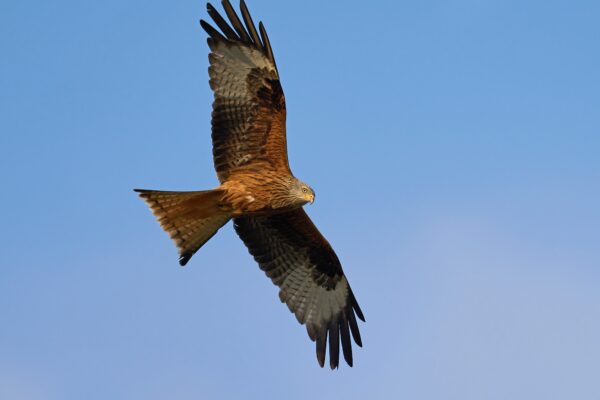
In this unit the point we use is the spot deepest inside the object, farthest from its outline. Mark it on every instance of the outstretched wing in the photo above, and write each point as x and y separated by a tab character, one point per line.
248	118
298	259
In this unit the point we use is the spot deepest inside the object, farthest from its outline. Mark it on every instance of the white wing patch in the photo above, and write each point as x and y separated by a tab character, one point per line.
232	63
312	303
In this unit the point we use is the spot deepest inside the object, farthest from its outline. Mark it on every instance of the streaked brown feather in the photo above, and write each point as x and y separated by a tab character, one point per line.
190	218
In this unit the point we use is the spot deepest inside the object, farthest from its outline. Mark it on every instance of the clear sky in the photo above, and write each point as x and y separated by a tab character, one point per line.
454	149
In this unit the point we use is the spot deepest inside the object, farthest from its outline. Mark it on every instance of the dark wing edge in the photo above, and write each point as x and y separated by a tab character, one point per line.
246	35
298	259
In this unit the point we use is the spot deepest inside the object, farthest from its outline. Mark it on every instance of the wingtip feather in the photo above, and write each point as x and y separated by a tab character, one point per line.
334	345
250	26
354	329
235	21
356	307
346	344
183	260
321	347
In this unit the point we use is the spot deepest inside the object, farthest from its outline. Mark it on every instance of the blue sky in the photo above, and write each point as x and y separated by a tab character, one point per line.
453	147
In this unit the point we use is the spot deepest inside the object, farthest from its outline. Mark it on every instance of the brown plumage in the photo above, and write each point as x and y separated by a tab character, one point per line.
258	190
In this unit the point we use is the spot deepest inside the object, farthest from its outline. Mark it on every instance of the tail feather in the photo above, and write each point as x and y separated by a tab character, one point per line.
190	218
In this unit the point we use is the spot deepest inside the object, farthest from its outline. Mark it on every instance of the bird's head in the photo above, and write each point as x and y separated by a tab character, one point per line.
302	192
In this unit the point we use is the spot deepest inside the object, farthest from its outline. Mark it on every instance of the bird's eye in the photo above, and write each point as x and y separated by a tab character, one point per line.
304	190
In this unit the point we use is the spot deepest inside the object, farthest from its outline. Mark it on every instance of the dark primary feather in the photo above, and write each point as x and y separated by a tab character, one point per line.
248	119
235	21
267	43
211	31
292	252
250	24
221	23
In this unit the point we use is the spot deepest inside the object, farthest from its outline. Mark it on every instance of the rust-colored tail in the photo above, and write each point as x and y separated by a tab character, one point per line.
190	218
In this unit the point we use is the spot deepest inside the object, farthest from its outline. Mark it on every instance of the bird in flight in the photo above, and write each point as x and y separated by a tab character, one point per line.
258	190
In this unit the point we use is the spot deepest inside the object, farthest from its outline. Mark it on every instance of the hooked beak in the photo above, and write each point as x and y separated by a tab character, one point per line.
312	199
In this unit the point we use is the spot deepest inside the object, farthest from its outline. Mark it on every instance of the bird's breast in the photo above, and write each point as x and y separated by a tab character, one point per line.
257	194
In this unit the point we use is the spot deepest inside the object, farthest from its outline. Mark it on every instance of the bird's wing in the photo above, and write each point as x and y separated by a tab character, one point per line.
298	259
248	118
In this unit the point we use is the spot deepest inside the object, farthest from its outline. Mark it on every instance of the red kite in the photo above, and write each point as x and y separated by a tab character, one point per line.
258	190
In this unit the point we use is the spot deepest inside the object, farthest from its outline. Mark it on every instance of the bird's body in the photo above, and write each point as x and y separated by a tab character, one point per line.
258	190
252	194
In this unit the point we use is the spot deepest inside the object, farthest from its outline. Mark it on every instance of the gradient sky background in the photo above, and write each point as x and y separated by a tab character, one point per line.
454	149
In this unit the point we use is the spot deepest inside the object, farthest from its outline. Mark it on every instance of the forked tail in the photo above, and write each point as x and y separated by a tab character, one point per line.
190	218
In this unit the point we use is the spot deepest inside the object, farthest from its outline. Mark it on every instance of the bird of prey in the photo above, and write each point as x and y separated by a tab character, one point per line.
258	190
